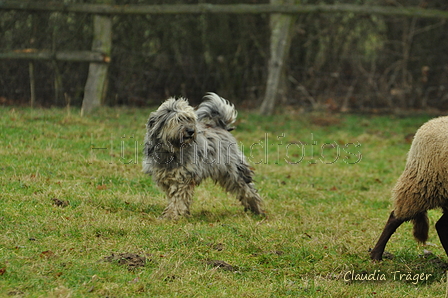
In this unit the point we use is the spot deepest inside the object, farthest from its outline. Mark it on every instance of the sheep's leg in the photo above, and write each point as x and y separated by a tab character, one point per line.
391	226
442	230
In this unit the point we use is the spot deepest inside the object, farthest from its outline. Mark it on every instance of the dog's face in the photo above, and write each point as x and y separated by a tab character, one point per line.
173	123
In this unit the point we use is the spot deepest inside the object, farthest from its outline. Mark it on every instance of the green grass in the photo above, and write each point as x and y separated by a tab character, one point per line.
323	212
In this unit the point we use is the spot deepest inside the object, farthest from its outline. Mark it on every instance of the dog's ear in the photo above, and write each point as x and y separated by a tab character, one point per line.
148	148
182	100
151	121
149	144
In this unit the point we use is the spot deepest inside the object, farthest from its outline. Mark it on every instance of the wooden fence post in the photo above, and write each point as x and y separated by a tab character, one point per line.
95	87
32	84
281	32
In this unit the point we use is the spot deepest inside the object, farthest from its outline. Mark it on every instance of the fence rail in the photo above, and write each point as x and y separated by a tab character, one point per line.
72	56
220	9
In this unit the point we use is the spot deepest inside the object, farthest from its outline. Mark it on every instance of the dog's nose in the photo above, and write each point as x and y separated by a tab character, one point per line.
190	131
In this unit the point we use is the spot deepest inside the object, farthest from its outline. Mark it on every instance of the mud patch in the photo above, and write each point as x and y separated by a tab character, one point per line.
216	246
222	265
435	261
15	293
59	203
129	260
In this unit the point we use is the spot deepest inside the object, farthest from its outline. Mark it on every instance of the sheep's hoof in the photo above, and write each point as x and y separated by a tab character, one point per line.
375	256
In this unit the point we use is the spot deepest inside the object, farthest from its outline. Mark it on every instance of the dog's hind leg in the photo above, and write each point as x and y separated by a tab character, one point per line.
250	199
179	200
239	182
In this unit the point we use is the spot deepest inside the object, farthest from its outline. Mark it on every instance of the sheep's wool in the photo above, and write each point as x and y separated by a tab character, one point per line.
423	184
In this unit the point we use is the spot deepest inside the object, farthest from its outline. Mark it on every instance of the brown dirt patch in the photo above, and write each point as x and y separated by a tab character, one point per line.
130	260
222	265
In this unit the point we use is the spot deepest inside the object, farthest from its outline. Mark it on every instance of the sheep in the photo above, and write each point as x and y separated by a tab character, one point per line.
422	186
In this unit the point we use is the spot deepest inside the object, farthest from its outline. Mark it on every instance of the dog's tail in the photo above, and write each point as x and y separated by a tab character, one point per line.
217	111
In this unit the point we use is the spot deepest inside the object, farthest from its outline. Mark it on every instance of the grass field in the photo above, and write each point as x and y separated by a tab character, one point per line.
78	218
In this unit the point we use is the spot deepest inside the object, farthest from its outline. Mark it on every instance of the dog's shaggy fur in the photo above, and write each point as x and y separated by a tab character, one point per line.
183	146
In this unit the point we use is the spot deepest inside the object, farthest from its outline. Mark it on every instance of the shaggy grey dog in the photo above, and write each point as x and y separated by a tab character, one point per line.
183	146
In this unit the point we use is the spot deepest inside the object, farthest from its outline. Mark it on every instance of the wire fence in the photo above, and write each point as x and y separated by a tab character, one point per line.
337	61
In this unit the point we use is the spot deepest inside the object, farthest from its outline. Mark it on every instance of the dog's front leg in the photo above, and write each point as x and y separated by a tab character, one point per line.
179	197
